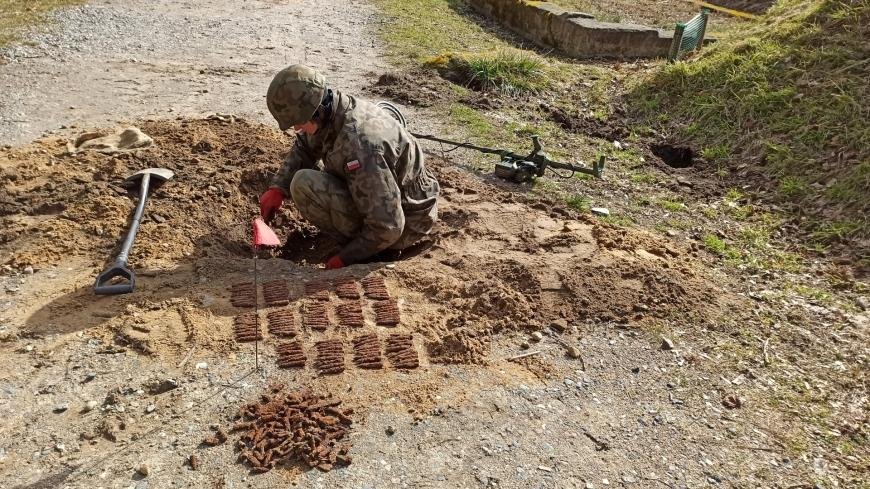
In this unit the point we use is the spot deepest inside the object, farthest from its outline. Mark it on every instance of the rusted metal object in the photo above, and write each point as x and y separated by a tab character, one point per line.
347	288
290	354
243	295
386	313
247	327
375	287
315	317
350	314
317	290
401	352
330	357
286	428
367	352
276	293
282	323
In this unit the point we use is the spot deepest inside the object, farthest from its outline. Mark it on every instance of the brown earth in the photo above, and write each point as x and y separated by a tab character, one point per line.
504	264
501	261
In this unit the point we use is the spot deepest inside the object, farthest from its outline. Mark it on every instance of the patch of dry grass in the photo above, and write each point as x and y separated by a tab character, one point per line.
17	15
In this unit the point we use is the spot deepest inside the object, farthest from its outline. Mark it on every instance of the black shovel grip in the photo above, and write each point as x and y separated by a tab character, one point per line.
102	286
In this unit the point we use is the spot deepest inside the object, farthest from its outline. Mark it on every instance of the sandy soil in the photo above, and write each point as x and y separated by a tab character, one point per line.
504	266
84	380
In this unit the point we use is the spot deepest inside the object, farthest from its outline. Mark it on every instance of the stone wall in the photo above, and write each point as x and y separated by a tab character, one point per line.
575	34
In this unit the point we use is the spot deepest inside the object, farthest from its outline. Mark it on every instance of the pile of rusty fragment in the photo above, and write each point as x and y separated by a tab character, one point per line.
285	428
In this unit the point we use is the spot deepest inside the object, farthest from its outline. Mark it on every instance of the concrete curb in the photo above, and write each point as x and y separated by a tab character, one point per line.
576	34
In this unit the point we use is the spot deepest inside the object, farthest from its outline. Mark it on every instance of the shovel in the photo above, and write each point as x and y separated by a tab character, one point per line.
118	279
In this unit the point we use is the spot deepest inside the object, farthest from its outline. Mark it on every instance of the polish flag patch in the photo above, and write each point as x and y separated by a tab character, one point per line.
353	165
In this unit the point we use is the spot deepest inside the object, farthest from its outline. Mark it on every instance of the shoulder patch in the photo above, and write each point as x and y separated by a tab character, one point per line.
353	165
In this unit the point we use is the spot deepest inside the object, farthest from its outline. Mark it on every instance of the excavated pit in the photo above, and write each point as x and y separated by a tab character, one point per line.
674	156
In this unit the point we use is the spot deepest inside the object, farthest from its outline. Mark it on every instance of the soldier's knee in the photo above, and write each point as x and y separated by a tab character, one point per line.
302	184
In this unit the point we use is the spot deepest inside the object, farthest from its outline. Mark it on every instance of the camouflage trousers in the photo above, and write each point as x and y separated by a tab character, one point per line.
325	201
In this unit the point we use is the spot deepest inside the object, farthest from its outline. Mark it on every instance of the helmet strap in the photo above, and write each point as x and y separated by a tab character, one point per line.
324	111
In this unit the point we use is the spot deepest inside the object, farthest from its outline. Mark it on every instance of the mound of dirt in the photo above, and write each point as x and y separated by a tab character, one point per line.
414	88
56	206
502	262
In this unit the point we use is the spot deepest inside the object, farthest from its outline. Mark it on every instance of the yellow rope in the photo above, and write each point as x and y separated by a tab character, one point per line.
729	11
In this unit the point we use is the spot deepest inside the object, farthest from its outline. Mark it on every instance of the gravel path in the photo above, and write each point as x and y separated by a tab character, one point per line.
116	60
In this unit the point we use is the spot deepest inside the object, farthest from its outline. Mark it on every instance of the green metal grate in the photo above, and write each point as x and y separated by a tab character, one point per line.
688	36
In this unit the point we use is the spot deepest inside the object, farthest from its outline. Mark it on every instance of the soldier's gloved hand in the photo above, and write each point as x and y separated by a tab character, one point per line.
334	262
270	202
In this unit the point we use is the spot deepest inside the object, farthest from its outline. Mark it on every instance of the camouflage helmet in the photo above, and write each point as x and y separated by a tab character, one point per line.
294	95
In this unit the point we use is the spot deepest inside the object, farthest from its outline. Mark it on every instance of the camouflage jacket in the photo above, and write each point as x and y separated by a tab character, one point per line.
382	164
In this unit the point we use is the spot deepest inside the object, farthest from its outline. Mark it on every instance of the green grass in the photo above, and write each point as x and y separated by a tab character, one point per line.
672	205
791	93
475	123
793	187
16	15
579	203
510	71
718	246
421	29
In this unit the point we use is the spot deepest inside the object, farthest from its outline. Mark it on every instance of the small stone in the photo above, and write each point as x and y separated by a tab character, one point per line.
628	479
559	325
90	406
537	336
201	366
390	266
617	145
390	431
635	370
61	407
672	233
573	352
150	408
159	387
28	348
28	270
667	344
600	211
158	218
732	401
863	302
60	447
143	470
525	345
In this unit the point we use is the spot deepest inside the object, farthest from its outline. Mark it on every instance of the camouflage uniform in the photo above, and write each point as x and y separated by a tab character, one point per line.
361	179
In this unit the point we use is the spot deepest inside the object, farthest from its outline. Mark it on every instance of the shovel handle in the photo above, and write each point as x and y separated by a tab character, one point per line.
102	286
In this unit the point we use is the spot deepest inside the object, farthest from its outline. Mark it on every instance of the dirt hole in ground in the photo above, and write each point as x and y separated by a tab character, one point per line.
674	156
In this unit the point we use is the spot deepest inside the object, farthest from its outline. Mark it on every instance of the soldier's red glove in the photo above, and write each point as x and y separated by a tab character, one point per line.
270	202
334	262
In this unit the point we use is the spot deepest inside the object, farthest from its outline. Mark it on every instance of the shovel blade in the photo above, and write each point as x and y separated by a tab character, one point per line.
263	234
